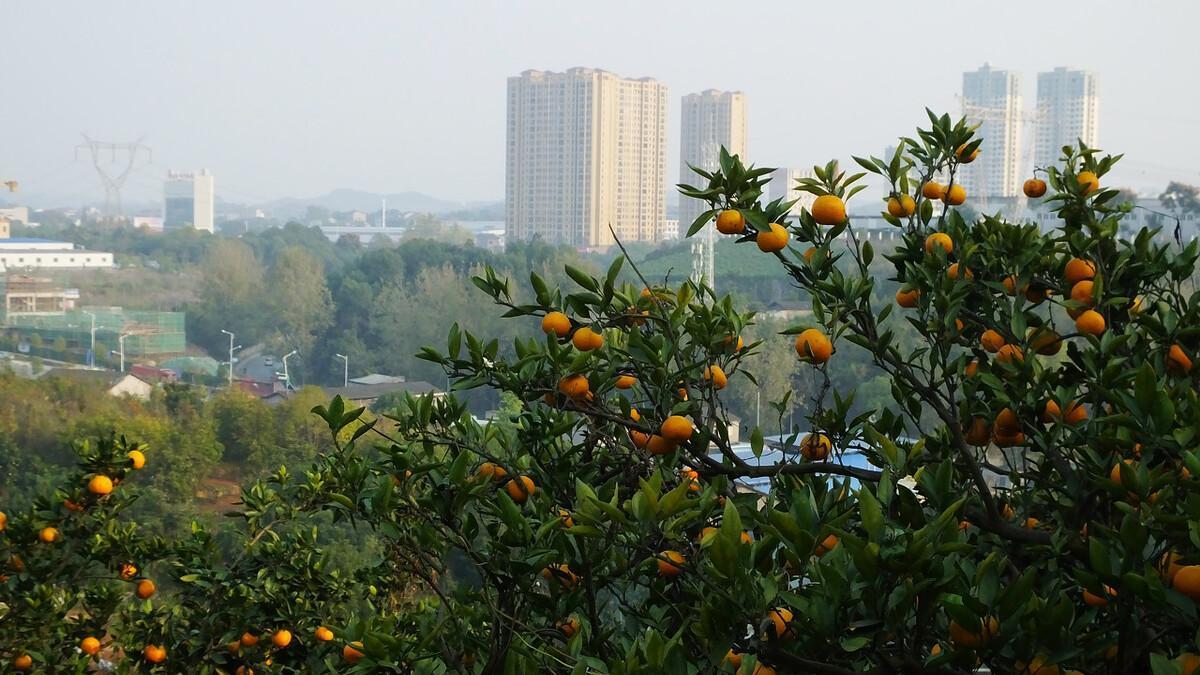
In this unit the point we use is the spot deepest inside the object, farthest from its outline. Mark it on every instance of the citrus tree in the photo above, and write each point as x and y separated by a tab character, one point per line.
1025	505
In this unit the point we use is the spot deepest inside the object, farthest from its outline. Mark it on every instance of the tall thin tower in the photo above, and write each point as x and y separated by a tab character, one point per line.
113	181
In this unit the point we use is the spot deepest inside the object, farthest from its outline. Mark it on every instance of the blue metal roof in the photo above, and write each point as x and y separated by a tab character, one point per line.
31	240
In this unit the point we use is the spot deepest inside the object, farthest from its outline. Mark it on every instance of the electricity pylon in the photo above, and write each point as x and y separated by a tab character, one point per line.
113	182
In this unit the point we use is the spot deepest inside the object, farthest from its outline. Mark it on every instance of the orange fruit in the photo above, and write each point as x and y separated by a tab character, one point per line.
971	368
1189	662
965	157
829	210
1090	323
935	650
978	433
323	634
1010	354
1032	523
815	447
3	521
100	485
23	662
670	564
1081	292
1045	341
657	445
953	272
626	381
1007	422
562	573
939	239
1092	600
1075	414
351	654
640	439
733	658
154	654
1078	269
716	376
895	207
991	340
565	517
89	645
574	386
907	298
585	339
491	471
772	239
556	323
956	195
145	589
136	458
1178	361
781	618
676	429
570	626
813	345
281	638
520	488
249	639
972	639
932	190
730	221
1088	181
48	535
1187	581
1010	284
1034	188
828	544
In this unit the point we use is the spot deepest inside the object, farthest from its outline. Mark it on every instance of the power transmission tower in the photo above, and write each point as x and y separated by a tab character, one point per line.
113	181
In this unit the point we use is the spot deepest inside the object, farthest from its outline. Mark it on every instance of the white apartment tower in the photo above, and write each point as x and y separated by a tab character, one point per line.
1068	108
188	200
992	99
783	186
710	120
586	149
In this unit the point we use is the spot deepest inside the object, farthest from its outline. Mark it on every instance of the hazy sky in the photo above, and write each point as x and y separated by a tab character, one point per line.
297	98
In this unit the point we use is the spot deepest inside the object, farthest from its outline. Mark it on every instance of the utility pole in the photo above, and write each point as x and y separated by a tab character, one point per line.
121	346
345	369
230	356
113	182
287	379
92	350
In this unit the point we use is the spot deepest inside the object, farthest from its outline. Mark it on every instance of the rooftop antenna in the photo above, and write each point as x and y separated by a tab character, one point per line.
113	181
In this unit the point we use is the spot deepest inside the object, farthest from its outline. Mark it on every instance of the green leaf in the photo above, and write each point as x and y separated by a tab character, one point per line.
872	515
756	441
1145	388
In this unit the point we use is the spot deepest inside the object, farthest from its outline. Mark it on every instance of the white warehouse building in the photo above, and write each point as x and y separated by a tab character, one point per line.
27	253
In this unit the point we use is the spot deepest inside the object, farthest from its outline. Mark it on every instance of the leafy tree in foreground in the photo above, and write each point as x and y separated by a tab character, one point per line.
1027	504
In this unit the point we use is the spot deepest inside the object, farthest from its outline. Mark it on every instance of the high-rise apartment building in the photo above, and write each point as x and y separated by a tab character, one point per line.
1068	109
586	150
710	120
992	99
783	186
188	200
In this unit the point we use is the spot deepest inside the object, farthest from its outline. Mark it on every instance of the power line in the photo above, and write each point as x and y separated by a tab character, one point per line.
113	182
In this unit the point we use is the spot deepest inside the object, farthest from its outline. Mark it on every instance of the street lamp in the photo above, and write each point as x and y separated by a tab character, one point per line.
287	380
121	346
231	348
345	369
92	350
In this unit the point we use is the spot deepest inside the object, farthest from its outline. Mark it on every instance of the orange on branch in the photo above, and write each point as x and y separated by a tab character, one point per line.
829	210
557	323
731	221
939	240
520	488
772	239
814	345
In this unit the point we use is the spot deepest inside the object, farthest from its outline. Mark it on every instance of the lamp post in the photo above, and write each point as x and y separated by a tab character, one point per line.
345	369
230	356
121	349
287	380
92	349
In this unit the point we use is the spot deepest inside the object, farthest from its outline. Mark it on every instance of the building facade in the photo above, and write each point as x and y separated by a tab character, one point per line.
188	200
30	253
783	186
1068	111
992	99
586	149
709	121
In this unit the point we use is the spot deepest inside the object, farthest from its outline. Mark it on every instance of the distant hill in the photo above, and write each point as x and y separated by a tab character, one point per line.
359	200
